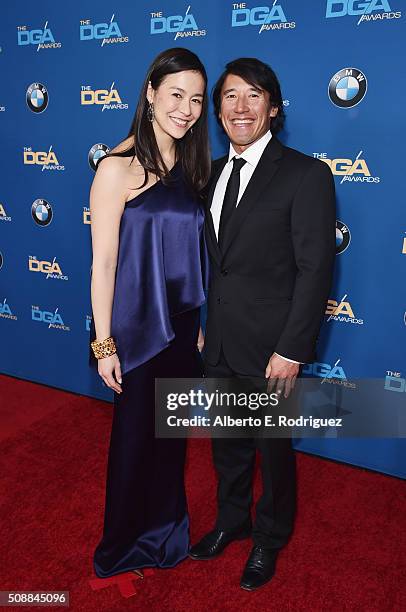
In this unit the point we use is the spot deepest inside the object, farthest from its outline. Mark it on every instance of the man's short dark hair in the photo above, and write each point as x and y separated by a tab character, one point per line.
259	75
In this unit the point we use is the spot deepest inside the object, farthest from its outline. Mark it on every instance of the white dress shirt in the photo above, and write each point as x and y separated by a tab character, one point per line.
252	155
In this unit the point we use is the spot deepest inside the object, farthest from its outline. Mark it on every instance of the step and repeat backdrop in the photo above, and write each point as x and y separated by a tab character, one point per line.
71	77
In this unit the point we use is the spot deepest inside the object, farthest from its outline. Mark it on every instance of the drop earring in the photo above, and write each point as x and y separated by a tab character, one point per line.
151	112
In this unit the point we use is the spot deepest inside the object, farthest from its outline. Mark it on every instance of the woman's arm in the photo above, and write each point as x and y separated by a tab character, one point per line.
107	200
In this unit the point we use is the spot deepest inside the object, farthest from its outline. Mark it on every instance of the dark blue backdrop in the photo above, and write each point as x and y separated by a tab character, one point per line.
52	52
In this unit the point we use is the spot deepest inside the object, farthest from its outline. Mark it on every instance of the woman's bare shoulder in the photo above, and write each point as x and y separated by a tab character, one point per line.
122	173
110	167
127	163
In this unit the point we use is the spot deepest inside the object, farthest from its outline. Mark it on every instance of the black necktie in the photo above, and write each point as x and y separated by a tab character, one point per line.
230	198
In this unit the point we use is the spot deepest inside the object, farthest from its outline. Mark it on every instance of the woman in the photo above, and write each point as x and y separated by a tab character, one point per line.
147	288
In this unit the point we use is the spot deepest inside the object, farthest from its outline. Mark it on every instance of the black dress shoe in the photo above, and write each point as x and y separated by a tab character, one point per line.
259	568
213	543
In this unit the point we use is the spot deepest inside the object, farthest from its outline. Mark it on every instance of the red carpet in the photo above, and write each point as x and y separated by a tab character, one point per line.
347	552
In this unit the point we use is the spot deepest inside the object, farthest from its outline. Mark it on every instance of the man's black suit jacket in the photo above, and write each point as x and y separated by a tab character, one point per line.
269	288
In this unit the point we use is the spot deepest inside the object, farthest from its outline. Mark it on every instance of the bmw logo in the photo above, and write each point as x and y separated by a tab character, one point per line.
1	260
96	152
41	212
347	87
37	97
343	237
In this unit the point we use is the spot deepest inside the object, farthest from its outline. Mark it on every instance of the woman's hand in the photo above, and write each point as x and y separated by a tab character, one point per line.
200	340
106	367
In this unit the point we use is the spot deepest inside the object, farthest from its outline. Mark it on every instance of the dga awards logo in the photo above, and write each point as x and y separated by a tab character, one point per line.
341	312
96	152
332	374
394	381
106	33
3	215
365	10
343	237
107	99
37	97
6	312
1	260
347	87
403	247
47	160
351	170
51	269
51	319
86	215
183	26
42	38
41	212
268	18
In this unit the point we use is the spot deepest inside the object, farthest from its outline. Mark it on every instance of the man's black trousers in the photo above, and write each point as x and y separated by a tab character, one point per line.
234	460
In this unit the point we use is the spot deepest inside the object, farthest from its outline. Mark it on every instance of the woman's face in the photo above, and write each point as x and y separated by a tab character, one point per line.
177	102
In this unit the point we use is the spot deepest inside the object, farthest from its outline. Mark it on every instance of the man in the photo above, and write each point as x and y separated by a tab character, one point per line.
271	239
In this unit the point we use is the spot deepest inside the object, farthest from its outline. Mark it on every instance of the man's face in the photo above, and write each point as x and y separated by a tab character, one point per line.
245	112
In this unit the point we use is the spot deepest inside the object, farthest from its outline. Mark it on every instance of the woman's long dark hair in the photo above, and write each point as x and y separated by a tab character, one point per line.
192	151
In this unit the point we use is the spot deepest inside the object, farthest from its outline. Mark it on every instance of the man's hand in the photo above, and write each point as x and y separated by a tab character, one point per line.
281	374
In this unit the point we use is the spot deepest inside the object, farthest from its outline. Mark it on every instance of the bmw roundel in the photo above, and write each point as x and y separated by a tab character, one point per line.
37	97
347	87
343	237
97	151
41	212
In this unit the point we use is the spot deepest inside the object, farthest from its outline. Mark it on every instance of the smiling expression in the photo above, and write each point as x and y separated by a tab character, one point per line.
245	112
177	103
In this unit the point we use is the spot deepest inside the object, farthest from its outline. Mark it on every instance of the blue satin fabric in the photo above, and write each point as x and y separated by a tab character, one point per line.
161	276
162	269
146	523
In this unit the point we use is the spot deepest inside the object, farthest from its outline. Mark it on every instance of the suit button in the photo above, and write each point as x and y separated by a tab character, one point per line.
224	272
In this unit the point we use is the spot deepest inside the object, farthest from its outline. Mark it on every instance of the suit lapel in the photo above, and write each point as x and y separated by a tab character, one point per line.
210	231
263	174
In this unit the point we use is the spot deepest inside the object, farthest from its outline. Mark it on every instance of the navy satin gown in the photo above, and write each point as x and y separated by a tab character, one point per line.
160	285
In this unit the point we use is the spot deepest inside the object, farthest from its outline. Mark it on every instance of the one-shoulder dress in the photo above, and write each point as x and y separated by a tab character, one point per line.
160	285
